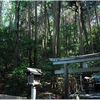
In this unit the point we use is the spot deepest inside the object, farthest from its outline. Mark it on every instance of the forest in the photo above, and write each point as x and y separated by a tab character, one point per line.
31	32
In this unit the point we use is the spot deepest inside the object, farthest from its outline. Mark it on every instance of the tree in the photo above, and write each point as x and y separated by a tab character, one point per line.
16	54
0	12
35	38
80	27
29	35
90	29
56	6
95	8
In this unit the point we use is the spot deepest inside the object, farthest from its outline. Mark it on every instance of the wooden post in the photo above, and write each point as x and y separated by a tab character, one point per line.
66	81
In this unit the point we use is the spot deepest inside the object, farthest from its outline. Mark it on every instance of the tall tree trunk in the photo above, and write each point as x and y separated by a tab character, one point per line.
2	72
54	30
16	38
56	6
0	13
75	29
80	28
54	43
58	27
45	24
48	24
97	19
84	30
76	39
35	39
90	30
64	30
29	35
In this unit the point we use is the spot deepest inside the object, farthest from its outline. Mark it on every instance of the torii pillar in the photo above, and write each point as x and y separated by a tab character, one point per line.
66	81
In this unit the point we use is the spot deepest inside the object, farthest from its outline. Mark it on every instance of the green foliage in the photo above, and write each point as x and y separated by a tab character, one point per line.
46	68
75	65
16	84
6	49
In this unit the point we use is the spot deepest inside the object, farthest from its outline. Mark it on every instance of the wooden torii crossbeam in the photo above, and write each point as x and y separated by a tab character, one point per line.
82	58
75	59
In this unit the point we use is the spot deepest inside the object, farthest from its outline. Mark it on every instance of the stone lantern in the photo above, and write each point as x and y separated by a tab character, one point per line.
33	80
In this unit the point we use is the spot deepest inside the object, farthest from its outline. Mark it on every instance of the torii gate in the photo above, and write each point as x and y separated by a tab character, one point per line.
65	61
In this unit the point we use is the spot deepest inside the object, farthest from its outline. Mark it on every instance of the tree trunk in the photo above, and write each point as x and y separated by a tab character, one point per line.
29	35
75	29
48	21
0	13
80	29
97	19
54	31
45	24
56	6
16	32
85	31
58	26
16	38
90	30
35	39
